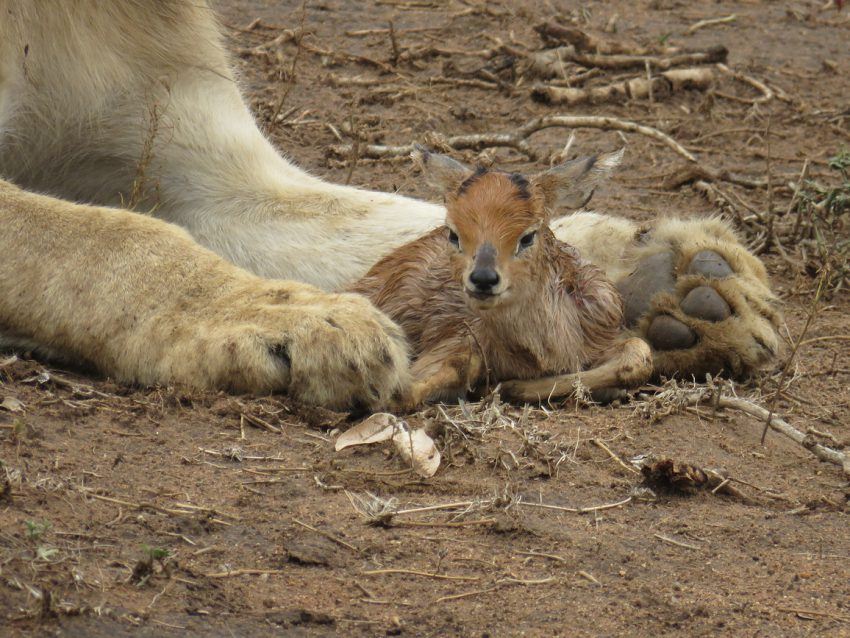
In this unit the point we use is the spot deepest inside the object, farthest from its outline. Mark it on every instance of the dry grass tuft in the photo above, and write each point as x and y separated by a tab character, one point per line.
466	427
821	230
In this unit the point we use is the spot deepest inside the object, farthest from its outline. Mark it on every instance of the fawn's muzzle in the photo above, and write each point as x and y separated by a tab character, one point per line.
484	277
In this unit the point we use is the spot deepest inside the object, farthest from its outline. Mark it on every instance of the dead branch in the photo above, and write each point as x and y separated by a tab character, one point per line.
577	510
550	63
601	445
719	199
673	541
678	397
657	87
799	218
359	33
823	452
336	56
180	509
577	79
553	33
478	84
350	80
702	24
265	49
694	173
232	573
417	572
766	92
812	312
327	535
517	139
427	52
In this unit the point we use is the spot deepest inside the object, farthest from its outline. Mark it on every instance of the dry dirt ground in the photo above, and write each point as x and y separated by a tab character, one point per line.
156	512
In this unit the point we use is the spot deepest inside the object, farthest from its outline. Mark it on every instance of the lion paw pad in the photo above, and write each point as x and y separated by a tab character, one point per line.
709	264
667	333
703	303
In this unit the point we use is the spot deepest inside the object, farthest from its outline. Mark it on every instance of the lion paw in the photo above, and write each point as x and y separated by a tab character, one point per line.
350	355
701	301
333	350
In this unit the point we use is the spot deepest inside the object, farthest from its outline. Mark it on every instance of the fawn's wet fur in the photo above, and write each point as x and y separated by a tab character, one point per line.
549	313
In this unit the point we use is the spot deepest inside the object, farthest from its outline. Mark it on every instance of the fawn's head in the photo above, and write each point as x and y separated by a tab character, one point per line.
497	224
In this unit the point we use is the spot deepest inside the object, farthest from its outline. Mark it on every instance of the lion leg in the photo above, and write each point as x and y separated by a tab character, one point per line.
141	302
628	364
141	109
701	301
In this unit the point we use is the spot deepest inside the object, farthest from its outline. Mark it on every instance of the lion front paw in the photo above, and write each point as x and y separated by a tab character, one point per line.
701	301
333	350
345	353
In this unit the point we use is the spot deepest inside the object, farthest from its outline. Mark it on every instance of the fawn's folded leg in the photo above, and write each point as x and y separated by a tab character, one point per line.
443	373
628	364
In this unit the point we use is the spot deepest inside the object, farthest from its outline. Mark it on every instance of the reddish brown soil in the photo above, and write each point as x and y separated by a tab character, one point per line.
100	476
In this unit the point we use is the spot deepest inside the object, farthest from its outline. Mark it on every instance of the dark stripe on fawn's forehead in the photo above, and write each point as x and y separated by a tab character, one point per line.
521	183
469	181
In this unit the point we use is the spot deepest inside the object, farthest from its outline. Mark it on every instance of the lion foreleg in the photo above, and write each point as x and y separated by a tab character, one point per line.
140	301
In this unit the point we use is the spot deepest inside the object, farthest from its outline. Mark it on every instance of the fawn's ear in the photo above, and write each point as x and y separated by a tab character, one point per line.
570	185
440	171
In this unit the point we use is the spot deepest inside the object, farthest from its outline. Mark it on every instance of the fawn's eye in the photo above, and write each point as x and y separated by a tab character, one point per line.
454	240
527	240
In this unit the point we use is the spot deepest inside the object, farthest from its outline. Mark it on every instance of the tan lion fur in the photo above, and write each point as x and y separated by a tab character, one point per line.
134	103
218	326
78	131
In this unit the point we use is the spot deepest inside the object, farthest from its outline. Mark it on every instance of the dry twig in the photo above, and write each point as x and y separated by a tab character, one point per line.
710	22
553	33
549	63
673	541
416	572
767	93
812	312
577	510
327	535
232	573
654	87
477	592
290	76
674	398
601	445
517	139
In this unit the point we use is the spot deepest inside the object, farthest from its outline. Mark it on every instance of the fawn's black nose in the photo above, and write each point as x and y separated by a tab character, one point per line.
484	279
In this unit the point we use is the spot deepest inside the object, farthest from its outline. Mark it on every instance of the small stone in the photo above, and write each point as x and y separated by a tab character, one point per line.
704	302
667	333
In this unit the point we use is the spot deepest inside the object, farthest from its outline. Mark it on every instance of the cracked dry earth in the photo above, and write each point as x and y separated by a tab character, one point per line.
155	512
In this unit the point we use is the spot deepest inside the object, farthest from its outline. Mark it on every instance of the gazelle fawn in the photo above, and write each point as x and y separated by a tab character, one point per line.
493	295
